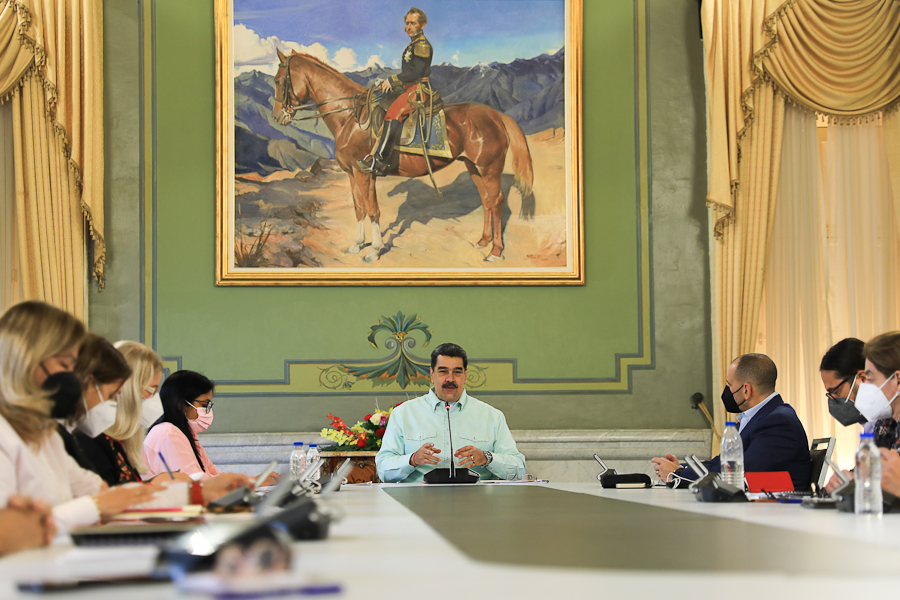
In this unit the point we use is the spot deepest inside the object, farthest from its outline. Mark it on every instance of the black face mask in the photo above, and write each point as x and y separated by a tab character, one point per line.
844	412
65	392
728	400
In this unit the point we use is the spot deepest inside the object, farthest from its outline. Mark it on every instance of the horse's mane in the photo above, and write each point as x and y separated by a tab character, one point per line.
319	63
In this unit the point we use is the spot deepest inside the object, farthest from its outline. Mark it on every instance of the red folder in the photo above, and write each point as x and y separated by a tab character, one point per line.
770	481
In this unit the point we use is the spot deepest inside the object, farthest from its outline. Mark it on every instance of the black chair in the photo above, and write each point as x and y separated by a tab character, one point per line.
820	449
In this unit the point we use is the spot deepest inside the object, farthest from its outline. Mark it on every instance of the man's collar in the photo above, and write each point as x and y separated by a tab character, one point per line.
418	36
435	401
748	414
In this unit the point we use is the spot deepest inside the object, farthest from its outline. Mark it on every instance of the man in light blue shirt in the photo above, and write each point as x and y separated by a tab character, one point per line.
418	431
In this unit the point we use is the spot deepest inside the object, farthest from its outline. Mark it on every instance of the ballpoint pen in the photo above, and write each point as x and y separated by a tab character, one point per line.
166	465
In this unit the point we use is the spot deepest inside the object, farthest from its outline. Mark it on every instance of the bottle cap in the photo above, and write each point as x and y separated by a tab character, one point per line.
730	424
296	444
866	435
312	445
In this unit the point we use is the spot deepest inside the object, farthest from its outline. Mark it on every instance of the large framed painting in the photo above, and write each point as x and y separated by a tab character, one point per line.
371	143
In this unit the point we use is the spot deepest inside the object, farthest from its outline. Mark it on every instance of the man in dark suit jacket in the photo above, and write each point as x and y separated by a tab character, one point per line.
772	435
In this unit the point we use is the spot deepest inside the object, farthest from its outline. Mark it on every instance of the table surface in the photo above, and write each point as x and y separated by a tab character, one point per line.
381	549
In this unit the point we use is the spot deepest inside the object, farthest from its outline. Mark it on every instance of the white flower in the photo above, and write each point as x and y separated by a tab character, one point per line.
376	419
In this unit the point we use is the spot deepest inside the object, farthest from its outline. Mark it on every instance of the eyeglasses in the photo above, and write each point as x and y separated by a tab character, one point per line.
207	408
829	394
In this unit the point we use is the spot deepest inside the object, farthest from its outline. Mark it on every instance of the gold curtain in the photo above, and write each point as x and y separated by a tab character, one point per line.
891	126
837	58
745	123
51	67
841	58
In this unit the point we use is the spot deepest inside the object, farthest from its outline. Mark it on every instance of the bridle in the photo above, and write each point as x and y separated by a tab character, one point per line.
287	94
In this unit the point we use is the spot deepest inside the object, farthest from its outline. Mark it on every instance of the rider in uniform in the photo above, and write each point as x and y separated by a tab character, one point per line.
405	88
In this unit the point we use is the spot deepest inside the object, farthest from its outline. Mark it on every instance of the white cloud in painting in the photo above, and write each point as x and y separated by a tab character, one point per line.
554	50
455	58
253	52
374	61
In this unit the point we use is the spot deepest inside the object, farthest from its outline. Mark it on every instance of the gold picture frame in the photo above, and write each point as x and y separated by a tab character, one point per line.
266	238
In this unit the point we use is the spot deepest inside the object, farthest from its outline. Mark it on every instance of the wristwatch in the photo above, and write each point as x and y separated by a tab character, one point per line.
488	457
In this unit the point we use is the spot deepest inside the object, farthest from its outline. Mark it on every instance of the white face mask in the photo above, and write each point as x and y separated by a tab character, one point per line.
872	403
151	410
100	418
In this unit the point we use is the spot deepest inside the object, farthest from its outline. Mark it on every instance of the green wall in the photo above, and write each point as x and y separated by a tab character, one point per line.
248	333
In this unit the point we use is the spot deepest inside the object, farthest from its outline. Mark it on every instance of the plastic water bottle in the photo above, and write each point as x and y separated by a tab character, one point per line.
298	461
732	456
312	455
867	499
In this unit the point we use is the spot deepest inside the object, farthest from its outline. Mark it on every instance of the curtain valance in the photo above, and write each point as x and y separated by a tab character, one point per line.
839	58
51	66
16	55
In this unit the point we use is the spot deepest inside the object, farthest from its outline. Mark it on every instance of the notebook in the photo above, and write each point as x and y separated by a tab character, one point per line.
129	533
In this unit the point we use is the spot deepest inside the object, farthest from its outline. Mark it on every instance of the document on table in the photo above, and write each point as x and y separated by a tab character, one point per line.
183	512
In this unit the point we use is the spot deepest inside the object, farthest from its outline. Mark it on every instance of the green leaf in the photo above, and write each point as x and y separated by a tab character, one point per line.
394	327
375	329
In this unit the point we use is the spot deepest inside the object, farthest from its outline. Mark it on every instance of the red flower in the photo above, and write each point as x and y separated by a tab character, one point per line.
368	417
361	442
380	431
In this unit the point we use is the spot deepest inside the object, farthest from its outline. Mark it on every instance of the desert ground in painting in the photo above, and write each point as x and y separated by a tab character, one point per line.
306	219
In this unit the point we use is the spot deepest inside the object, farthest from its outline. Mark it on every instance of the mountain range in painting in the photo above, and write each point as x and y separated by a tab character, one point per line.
531	91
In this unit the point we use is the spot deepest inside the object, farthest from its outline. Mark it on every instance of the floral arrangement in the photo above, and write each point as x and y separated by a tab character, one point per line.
365	435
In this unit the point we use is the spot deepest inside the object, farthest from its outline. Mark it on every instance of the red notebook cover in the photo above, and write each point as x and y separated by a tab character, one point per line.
770	481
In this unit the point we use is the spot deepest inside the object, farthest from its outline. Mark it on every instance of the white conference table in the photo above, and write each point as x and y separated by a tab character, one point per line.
380	549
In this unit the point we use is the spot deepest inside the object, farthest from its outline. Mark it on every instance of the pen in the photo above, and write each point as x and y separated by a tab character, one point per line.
166	465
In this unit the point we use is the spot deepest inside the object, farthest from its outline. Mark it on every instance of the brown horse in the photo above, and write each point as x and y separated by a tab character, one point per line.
479	136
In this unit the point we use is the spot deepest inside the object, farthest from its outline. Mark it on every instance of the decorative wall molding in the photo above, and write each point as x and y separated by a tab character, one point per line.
497	375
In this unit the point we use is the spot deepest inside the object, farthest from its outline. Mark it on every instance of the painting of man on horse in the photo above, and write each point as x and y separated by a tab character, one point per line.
395	126
404	91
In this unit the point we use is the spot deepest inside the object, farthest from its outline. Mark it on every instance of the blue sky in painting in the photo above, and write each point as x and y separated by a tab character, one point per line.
354	34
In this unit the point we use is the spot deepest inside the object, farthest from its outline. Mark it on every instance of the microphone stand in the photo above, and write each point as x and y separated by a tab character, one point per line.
697	404
450	430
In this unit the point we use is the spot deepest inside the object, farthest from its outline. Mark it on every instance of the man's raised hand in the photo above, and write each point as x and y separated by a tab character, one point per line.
425	455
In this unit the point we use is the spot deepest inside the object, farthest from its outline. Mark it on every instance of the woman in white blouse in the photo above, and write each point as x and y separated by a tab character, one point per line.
38	348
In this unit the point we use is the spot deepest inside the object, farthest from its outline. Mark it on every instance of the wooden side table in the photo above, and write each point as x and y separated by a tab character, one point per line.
363	465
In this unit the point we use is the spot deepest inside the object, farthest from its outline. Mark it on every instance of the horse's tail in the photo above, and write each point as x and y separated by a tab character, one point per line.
521	156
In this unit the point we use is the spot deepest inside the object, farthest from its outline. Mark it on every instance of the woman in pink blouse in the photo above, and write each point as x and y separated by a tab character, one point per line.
187	410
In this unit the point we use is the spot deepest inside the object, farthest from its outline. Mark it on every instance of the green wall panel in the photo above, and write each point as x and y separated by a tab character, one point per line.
557	334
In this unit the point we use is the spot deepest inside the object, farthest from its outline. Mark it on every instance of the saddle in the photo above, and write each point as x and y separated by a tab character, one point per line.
429	100
422	132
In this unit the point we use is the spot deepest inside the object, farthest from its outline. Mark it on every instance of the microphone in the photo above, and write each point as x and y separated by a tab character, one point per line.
451	475
450	431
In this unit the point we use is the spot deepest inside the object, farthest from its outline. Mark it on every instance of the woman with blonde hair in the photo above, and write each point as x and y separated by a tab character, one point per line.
39	346
138	403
